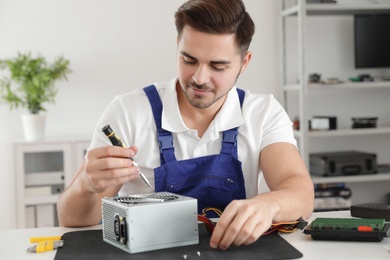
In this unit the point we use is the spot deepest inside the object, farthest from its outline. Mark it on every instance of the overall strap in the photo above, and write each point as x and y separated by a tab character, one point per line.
164	138
229	137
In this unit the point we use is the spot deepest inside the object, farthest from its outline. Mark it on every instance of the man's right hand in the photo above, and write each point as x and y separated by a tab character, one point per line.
107	167
102	174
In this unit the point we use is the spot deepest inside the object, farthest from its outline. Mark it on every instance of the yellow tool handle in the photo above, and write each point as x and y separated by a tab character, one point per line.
44	246
40	239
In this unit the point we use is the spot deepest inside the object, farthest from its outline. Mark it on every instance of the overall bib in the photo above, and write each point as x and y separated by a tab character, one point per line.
214	180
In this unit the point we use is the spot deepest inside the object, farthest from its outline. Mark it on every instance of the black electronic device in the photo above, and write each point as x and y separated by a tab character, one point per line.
348	229
343	163
372	40
364	122
371	210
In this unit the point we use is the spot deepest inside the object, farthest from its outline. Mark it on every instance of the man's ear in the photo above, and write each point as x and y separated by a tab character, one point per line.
245	61
177	40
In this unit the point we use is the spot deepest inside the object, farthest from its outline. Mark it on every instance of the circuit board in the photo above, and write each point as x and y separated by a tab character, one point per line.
348	229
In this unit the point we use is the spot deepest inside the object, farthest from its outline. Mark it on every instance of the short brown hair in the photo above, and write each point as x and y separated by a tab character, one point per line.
217	17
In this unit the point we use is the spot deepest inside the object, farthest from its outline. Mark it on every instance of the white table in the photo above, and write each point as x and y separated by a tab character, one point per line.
13	243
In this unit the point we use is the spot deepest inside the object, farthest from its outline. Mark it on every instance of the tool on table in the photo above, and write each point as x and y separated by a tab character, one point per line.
45	244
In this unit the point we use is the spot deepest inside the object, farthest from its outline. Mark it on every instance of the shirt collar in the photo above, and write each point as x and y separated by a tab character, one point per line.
228	117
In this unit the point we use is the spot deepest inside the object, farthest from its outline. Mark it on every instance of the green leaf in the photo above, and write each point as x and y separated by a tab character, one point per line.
32	81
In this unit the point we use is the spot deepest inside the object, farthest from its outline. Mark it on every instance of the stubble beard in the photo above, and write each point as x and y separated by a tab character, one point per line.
200	101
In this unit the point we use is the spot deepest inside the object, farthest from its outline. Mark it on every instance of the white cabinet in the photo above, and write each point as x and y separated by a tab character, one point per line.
43	170
345	100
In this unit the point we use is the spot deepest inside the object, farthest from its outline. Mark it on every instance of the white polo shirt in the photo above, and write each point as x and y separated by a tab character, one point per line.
261	121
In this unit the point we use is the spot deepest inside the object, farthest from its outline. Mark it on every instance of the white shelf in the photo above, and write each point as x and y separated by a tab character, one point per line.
39	200
346	9
338	9
30	177
352	179
345	132
293	10
292	87
350	85
342	86
44	178
304	91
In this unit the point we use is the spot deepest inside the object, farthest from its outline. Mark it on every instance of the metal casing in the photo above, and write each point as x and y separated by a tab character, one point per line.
145	222
343	163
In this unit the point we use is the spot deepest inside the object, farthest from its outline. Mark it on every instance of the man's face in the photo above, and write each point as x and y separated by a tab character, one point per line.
208	66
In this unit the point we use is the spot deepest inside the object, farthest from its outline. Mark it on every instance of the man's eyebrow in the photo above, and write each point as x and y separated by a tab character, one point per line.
213	62
187	55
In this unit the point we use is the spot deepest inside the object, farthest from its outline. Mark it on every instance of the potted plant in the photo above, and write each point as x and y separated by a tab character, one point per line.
31	84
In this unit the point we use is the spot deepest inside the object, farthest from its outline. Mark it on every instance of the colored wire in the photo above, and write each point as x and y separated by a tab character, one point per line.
286	226
283	226
208	223
217	211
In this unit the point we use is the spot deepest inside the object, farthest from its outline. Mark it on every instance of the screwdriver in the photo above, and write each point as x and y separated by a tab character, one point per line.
115	140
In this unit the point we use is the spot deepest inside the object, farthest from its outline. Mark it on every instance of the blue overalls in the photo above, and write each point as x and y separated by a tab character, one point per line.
214	180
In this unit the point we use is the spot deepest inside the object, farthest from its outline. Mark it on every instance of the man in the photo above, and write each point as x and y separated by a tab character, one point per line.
221	141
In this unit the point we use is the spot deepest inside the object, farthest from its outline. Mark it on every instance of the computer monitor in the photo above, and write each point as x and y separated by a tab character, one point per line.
372	40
